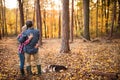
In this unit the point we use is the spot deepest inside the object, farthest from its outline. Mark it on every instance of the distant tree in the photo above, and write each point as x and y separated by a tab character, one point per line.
97	18
106	11
65	27
2	18
72	22
59	24
21	12
0	22
86	19
5	25
119	15
102	17
113	17
16	27
44	22
39	19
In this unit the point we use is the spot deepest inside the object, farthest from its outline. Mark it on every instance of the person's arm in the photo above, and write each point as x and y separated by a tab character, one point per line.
22	38
28	40
37	45
19	35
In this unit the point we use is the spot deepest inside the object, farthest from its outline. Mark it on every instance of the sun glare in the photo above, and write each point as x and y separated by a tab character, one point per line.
11	3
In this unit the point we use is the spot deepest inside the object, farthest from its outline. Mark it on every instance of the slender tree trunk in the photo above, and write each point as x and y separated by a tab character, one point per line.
0	23
59	32
97	19
21	13
107	16
44	21
2	13
26	11
0	34
39	20
102	18
65	27
113	18
86	19
72	24
34	11
16	27
119	15
5	25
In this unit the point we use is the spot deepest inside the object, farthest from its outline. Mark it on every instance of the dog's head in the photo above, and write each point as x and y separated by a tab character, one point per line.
48	68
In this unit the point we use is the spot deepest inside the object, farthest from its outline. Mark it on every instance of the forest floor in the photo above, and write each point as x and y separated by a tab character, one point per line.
99	60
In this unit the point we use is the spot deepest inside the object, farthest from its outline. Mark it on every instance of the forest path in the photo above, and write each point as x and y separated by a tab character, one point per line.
84	57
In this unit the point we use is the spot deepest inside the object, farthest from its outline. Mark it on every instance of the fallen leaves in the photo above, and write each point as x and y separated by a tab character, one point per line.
83	58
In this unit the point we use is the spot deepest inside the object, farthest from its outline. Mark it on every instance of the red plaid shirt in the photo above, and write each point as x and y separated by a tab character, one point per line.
21	45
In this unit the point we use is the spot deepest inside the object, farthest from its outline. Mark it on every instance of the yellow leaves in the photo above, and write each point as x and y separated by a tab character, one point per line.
84	57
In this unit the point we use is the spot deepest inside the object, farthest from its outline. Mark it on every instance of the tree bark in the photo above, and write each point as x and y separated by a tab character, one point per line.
38	19
44	21
21	12
97	18
65	27
59	32
5	25
86	19
102	18
16	27
0	22
107	15
119	15
113	17
2	18
72	24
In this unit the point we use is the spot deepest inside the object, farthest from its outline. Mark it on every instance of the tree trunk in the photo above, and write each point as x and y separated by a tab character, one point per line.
0	24
21	13
97	19
102	18
107	15
119	15
2	18
5	25
72	25
59	32
16	21
113	17
65	27
86	19
38	19
44	21
33	18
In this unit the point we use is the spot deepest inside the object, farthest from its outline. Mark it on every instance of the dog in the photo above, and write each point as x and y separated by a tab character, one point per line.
55	68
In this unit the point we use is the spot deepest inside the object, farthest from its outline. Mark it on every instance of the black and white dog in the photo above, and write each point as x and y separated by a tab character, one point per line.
55	68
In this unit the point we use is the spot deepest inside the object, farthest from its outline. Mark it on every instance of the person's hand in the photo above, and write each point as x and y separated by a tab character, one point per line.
30	36
37	45
18	35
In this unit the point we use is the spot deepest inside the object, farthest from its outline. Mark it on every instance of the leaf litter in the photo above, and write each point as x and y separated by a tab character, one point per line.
86	60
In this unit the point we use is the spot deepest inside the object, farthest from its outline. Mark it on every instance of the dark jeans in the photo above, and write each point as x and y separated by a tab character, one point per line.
22	60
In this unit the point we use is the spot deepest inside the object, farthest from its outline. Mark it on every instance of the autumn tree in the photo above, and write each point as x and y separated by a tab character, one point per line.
86	19
2	19
72	22
106	12
21	12
59	23
65	27
119	15
38	19
113	16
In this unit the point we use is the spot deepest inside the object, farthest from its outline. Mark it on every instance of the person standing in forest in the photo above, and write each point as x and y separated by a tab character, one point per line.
31	49
20	49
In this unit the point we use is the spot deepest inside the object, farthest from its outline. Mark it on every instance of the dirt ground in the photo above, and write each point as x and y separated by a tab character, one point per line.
99	60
